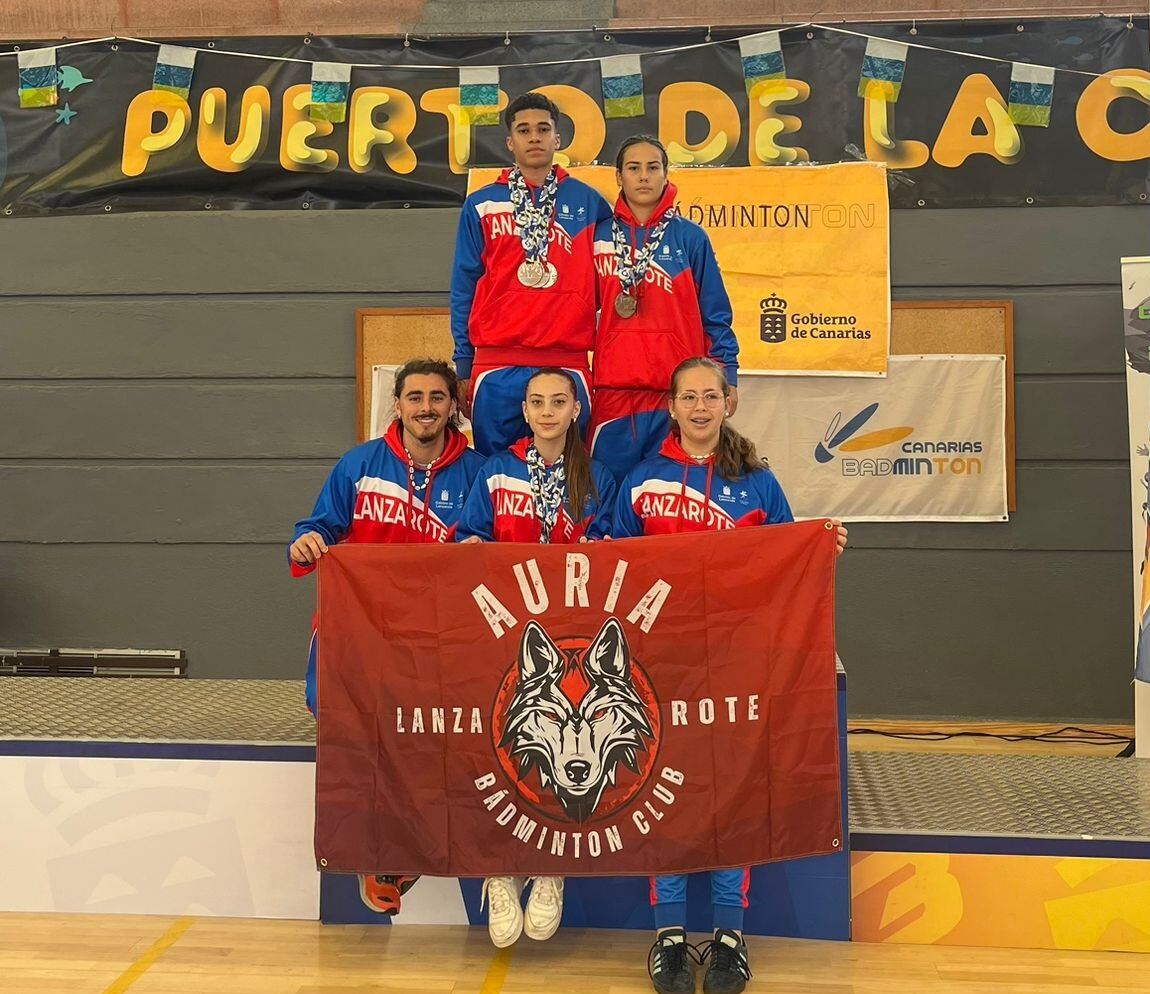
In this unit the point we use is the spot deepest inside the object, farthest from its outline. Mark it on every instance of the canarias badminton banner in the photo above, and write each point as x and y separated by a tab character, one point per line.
647	705
810	291
974	114
927	443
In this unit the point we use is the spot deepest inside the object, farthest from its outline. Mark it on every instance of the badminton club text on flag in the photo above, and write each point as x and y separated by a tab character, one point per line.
883	66
657	704
622	77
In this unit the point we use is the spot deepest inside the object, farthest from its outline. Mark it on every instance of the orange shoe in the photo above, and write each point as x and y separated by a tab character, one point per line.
382	893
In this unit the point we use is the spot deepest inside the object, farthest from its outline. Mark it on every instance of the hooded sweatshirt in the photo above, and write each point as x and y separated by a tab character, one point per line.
684	309
674	492
502	509
495	319
369	497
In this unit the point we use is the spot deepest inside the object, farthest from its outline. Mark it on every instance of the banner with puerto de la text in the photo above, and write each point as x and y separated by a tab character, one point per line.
985	114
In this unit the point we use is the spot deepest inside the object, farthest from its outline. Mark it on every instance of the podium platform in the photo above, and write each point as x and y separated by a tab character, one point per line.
1047	852
196	797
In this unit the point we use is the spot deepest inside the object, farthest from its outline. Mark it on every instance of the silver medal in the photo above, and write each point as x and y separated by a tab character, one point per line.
552	277
532	273
626	305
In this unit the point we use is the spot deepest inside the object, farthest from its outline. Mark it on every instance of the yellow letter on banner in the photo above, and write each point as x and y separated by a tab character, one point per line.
140	141
364	134
879	141
445	101
590	129
255	123
767	123
296	155
724	128
1093	106
978	101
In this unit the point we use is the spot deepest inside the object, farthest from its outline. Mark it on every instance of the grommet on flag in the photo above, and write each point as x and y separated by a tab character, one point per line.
622	86
38	77
883	66
174	69
762	57
1031	94
479	94
330	83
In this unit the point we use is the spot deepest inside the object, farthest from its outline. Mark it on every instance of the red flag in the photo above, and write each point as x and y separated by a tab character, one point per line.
652	705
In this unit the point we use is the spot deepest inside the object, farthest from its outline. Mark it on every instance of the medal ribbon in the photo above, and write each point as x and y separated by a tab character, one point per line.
547	490
533	216
632	273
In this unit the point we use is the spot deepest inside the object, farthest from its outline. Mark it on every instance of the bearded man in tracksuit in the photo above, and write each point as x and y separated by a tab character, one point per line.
523	285
662	300
408	486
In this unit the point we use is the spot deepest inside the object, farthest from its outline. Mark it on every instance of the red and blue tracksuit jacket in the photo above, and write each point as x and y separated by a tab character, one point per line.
672	492
500	507
684	311
368	498
495	320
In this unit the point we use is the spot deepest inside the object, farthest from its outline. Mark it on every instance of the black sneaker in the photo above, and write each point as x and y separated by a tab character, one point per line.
669	963
728	971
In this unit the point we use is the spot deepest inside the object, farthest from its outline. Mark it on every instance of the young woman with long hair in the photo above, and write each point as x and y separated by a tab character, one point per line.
662	300
723	483
545	488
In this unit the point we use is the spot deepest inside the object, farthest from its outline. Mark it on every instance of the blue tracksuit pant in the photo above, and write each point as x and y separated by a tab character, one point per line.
728	898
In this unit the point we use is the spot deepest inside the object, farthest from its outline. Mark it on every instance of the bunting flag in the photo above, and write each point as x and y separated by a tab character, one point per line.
330	83
479	94
1031	94
174	68
762	57
883	66
622	86
38	77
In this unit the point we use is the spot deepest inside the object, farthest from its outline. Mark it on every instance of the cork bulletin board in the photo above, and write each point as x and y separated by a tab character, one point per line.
391	336
961	327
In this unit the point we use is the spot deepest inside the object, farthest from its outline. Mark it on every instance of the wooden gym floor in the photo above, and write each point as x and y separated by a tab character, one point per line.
88	954
96	954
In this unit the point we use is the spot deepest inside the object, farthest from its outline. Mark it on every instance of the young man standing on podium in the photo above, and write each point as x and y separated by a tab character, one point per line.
523	285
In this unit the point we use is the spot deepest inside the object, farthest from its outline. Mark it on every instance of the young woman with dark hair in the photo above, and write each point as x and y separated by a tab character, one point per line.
722	483
662	300
543	489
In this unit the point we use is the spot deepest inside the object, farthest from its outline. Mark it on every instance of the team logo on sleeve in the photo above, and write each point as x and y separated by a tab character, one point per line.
576	723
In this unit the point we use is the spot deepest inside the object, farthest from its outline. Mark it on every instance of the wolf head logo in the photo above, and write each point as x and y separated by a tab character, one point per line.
576	714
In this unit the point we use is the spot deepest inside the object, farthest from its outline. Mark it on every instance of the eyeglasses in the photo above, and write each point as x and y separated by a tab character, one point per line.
712	398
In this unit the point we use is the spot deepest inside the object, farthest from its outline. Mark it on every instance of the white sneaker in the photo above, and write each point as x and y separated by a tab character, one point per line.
544	908
504	913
